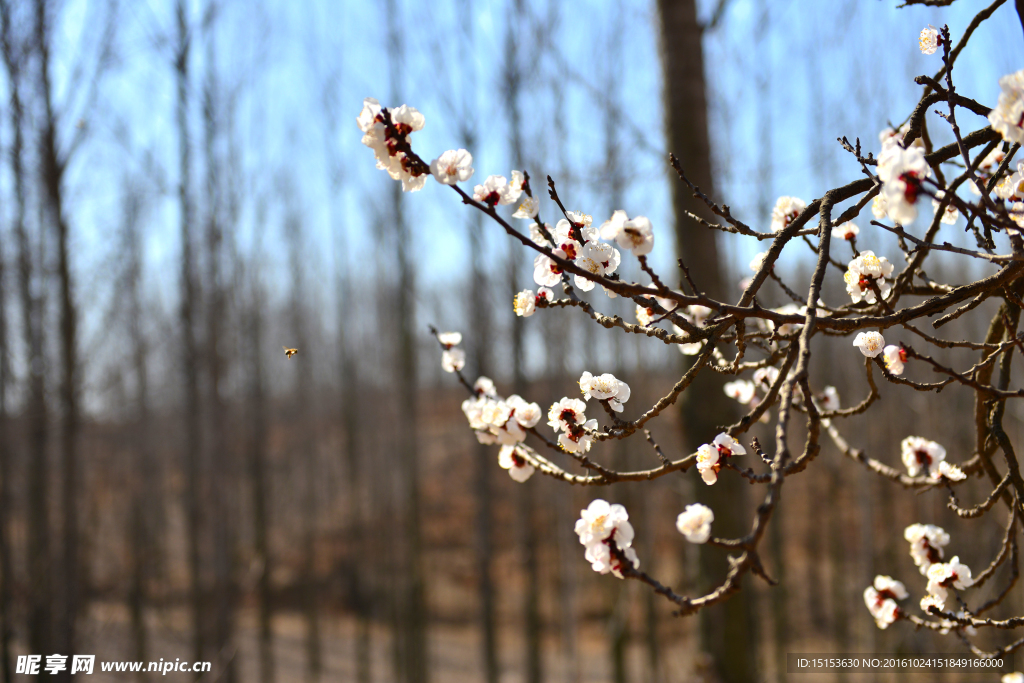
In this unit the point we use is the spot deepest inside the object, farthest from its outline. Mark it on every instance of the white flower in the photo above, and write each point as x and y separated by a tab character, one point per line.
483	386
901	171
566	412
528	210
895	357
1015	677
860	273
695	523
949	471
786	211
926	544
757	262
449	339
601	561
887	584
407	119
497	415
742	390
881	598
943	576
578	440
584	219
920	454
524	303
601	525
514	189
511	459
605	387
878	207
1008	117
644	315
929	40
367	119
829	399
869	343
600	520
766	377
707	463
846	231
929	601
491	190
728	446
526	414
709	456
545	271
634	235
453	359
598	259
579	230
569	416
453	166
951	214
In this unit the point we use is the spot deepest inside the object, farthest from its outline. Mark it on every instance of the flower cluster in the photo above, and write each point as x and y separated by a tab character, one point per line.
387	142
574	241
709	456
600	527
866	272
569	420
499	421
453	358
695	523
1007	118
943	576
881	598
605	388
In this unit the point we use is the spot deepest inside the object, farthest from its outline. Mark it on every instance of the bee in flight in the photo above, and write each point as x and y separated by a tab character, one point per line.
289	352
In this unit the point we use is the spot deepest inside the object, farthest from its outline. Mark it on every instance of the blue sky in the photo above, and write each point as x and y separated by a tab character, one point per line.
812	70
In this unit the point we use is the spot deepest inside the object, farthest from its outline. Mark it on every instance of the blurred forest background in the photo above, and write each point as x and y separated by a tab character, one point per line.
183	193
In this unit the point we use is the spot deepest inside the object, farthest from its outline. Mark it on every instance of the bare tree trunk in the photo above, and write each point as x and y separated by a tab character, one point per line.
39	563
532	625
52	169
304	402
415	608
351	417
258	457
215	411
687	131
480	324
6	448
143	527
190	347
